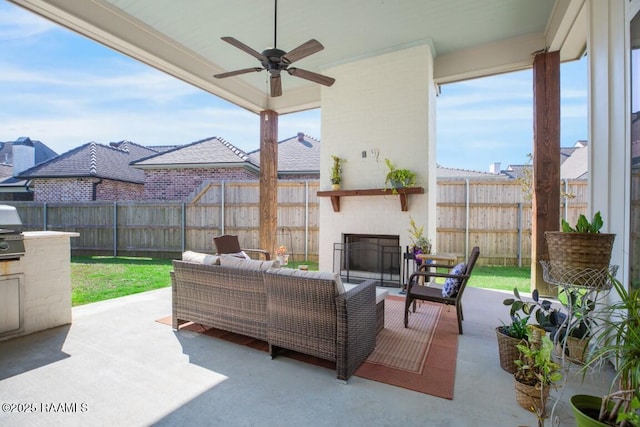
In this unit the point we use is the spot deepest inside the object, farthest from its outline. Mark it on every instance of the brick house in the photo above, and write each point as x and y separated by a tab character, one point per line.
90	172
176	174
17	156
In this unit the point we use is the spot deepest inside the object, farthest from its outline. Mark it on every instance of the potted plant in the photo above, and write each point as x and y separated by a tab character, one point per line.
573	338
618	341
514	333
421	245
536	372
580	255
399	178
336	172
282	255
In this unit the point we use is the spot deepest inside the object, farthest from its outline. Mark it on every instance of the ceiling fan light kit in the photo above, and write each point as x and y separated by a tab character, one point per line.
276	60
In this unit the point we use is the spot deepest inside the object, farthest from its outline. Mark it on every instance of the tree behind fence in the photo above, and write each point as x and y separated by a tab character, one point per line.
489	214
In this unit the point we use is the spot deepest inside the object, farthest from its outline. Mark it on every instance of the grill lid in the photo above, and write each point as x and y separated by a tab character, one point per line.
9	219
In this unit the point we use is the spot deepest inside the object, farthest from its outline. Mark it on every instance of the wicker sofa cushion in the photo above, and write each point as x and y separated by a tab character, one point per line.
247	264
200	258
322	275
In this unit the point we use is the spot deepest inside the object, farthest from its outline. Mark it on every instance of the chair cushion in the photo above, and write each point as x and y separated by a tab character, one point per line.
200	258
451	285
228	260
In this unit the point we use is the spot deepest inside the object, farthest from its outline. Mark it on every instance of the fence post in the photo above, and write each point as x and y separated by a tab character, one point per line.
183	220
566	199
306	220
519	234
44	216
466	239
115	229
222	202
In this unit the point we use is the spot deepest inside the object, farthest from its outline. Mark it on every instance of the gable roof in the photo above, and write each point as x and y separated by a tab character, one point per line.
455	173
299	154
209	152
94	160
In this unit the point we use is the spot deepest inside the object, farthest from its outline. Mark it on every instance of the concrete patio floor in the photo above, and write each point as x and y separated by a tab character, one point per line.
115	365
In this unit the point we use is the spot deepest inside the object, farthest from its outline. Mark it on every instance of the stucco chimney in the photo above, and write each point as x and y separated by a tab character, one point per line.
494	168
301	136
24	155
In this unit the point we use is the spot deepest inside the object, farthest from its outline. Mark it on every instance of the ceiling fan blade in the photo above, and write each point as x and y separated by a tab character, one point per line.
245	48
309	75
276	85
237	72
302	51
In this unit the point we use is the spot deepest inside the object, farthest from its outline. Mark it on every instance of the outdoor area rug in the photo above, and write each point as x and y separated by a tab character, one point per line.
421	358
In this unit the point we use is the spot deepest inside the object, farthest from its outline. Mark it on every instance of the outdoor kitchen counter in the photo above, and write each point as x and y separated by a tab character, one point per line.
41	295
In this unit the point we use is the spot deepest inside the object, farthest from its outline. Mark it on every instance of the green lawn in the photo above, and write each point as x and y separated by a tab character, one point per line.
100	277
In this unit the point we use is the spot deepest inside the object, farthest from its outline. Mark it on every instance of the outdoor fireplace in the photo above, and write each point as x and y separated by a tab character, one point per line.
369	256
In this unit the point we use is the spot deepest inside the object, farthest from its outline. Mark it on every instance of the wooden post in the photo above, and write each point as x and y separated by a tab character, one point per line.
268	180
546	162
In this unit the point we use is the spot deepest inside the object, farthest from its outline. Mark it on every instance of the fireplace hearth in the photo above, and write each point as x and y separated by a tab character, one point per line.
368	256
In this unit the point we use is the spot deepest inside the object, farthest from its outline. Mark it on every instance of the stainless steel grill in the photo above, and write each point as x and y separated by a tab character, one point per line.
11	239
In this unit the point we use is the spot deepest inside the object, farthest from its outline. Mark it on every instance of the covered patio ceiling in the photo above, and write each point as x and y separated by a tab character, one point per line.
469	38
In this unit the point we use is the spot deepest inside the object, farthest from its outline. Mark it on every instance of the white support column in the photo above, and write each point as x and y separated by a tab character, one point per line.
608	137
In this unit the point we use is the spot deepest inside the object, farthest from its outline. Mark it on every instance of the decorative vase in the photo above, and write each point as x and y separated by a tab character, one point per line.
586	409
283	259
335	187
507	350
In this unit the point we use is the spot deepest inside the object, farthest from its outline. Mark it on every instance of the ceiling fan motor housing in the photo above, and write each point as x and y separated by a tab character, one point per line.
275	61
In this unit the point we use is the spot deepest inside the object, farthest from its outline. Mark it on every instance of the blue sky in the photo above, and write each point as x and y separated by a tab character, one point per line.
66	90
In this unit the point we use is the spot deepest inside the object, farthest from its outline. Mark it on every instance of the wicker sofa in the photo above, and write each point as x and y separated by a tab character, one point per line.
304	314
289	309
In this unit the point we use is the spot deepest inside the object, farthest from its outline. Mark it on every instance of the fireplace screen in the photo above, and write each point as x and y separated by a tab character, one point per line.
367	256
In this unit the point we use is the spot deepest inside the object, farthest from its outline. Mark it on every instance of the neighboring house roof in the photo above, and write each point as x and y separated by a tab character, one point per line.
299	154
210	152
576	166
515	171
94	160
454	173
41	151
5	170
163	148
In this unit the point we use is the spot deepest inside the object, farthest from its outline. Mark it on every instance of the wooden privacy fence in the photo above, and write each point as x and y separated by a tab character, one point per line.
490	214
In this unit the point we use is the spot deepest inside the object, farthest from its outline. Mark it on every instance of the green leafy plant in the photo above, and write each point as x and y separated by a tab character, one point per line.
336	170
619	342
399	178
535	366
541	310
583	225
416	234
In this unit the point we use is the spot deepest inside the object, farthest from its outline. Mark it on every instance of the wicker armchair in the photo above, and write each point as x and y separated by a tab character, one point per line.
415	292
305	315
229	244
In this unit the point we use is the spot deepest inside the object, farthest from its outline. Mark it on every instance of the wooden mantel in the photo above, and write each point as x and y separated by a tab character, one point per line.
402	193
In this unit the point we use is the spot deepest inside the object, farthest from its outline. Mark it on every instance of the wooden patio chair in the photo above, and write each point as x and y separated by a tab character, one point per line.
229	244
417	292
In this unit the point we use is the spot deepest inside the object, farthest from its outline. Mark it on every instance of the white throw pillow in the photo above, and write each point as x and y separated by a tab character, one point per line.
200	258
451	285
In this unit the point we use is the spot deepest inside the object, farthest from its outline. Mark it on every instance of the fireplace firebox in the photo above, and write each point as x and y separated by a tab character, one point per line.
369	256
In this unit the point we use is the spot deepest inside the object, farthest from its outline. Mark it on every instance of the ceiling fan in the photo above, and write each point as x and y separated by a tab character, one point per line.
275	61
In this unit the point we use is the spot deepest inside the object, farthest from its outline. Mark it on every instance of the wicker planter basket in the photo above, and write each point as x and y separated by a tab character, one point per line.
579	258
575	350
529	398
507	350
